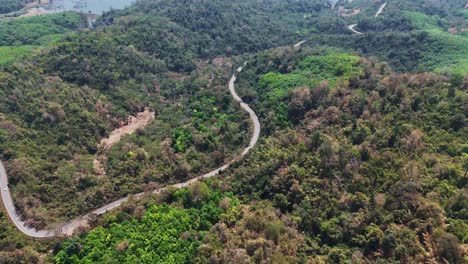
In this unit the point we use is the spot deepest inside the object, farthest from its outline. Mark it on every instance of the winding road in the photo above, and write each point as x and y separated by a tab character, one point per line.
68	228
352	27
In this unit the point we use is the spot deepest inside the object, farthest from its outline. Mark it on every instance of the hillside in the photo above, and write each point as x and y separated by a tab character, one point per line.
362	170
89	81
412	36
362	156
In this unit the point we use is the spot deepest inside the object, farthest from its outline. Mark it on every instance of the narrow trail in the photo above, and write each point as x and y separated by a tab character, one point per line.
68	228
141	120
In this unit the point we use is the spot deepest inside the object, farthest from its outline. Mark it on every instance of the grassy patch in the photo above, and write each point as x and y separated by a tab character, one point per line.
21	36
310	72
9	54
449	54
34	30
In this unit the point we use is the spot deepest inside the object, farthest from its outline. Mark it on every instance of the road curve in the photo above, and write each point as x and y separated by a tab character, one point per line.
13	214
299	43
68	228
351	27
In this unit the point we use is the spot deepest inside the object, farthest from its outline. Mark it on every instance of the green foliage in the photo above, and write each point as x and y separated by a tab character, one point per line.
273	231
157	36
211	28
165	233
36	30
422	21
360	163
96	59
182	139
412	36
331	66
374	164
11	54
15	247
251	234
451	52
20	37
72	94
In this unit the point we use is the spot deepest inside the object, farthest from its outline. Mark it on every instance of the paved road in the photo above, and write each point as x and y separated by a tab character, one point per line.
69	227
11	210
300	43
351	27
380	10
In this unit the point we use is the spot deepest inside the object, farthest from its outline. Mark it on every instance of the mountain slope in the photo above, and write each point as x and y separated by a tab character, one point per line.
360	158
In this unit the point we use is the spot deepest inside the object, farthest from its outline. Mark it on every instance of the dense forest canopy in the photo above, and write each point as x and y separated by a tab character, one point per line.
7	6
362	159
363	156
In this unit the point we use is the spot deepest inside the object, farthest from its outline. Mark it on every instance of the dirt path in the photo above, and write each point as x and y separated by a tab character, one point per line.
36	11
141	120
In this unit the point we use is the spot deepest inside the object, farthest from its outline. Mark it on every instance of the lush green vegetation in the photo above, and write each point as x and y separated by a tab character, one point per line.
101	76
427	45
328	66
160	234
253	233
38	30
21	36
361	160
64	121
17	248
451	53
412	36
10	54
183	29
373	168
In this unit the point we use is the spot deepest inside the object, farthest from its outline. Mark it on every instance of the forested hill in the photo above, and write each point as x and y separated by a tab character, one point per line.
411	35
79	85
363	153
209	28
